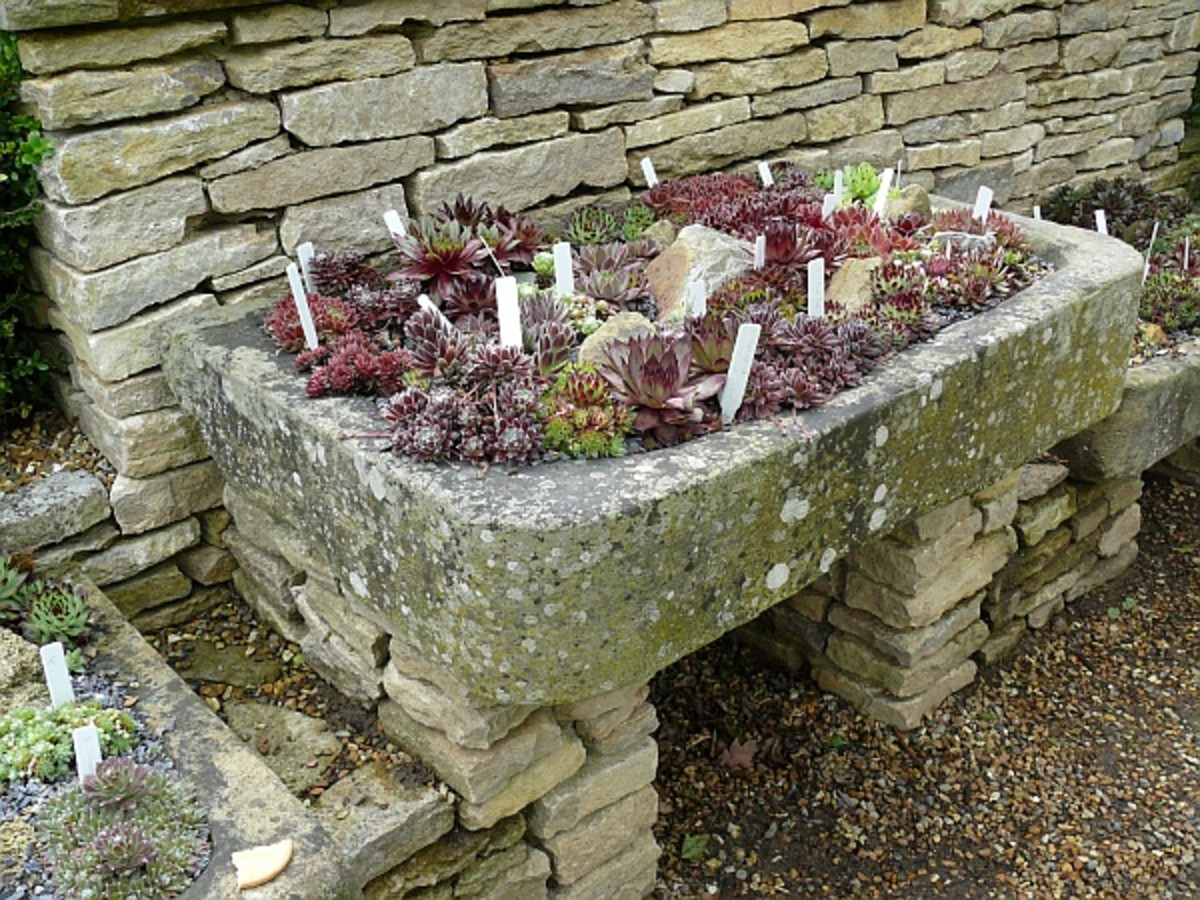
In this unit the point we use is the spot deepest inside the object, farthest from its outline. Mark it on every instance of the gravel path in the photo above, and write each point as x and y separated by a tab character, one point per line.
1071	769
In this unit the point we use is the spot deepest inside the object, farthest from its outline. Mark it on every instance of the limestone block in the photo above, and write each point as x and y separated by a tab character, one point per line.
324	605
1012	140
627	876
595	76
345	223
520	871
1037	479
265	70
622	700
1037	517
935	523
1035	605
967	65
425	99
1040	178
907	79
555	29
963	184
831	90
319	173
986	93
601	836
935	128
478	774
212	526
117	353
137	554
717	149
688	121
910	567
361	18
88	164
181	610
697	254
867	20
775	9
949	153
141	504
956	13
1100	83
206	565
757	76
998	502
18	15
839	120
471	137
733	41
277	536
907	647
270	267
1019	28
524	787
97	300
1093	50
859	658
348	667
853	57
1099	15
247	158
1121	492
278	23
21	680
376	820
1002	641
1112	152
811	604
1185	33
1088	518
1104	571
688	15
525	176
121	226
937	40
605	725
46	52
265	600
146	444
620	113
52	510
904	714
1121	530
98	537
599	783
1031	560
149	590
674	81
1041	616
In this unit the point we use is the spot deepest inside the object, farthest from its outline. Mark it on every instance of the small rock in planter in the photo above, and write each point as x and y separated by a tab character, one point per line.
615	328
850	286
21	680
711	257
913	199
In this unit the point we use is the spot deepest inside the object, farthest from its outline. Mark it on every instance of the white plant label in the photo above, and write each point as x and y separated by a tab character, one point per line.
764	173
983	204
816	288
1102	221
87	750
1187	251
839	187
304	253
1150	252
564	273
509	311
828	205
760	251
58	679
739	371
425	303
899	169
395	225
697	301
1037	212
885	188
301	298
648	171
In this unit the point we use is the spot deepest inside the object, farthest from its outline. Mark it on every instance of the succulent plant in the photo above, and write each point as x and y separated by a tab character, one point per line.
331	316
131	831
592	225
1171	300
440	253
354	364
437	347
1130	207
12	600
36	743
56	611
711	339
336	274
635	219
580	418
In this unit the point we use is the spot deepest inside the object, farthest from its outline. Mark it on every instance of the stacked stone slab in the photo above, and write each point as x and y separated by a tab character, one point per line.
904	622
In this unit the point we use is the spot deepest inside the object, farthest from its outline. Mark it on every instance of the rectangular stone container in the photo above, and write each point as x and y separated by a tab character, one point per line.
557	582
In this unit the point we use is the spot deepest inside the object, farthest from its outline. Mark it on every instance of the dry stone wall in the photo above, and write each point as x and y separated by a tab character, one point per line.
198	143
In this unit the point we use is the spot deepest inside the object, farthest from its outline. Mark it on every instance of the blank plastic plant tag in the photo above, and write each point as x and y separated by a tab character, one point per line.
87	750
885	188
764	173
739	370
1187	252
301	298
304	253
425	303
58	679
564	273
1150	252
828	205
697	301
648	171
509	311
983	204
816	288
395	225
1102	221
760	251
839	187
899	169
1037	211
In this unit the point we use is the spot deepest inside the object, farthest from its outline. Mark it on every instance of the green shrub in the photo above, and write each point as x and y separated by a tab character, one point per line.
23	370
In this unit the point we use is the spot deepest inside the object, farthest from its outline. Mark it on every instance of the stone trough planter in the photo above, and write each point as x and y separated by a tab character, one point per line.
1159	414
560	582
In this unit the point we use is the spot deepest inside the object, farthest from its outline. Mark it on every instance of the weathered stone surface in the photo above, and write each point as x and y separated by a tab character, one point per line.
519	871
426	99
956	13
998	502
378	821
206	565
525	787
602	835
986	93
149	590
279	536
89	164
858	658
758	76
288	741
264	582
627	876
688	15
471	137
21	680
137	554
602	781
866	20
839	120
140	504
553	29
718	148
121	226
98	537
97	300
1037	517
641	724
993	411
851	285
146	444
51	510
967	65
348	222
907	647
1019	28
604	725
905	713
674	81
247	158
43	53
19	15
688	121
282	22
615	328
621	113
1012	140
525	176
911	568
319	173
599	75
950	153
909	78
937	40
270	267
914	198
117	353
853	57
830	90
734	41
697	254
1121	531
935	523
1103	571
962	184
348	667
361	18
277	68
774	9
